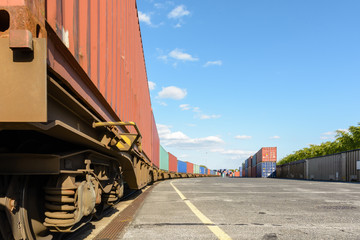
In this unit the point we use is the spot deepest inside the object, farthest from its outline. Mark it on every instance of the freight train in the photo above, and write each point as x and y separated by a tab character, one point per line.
76	122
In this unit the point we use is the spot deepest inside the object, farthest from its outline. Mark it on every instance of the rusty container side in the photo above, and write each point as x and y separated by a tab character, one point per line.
172	163
104	37
352	171
189	167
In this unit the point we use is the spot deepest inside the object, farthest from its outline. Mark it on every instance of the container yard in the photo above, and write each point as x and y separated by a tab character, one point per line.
82	157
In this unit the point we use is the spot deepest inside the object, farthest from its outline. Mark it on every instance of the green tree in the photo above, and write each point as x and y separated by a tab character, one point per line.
345	140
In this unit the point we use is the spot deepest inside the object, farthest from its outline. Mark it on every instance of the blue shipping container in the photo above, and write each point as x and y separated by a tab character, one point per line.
246	172
253	161
240	170
202	170
246	164
181	167
265	169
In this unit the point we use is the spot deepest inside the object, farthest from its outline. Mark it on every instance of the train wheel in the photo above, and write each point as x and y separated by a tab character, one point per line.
32	209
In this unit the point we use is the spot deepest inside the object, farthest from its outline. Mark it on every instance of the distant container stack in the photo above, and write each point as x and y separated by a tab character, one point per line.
266	162
261	164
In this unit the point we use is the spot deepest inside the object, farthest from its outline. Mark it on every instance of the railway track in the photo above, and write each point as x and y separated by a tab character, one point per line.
113	220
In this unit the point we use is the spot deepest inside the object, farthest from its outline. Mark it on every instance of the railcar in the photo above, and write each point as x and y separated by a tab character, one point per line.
76	122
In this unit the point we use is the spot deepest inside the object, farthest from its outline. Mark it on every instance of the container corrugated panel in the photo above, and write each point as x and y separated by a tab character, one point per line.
155	144
196	168
189	167
202	170
331	167
253	160
249	172
164	159
250	161
181	167
208	171
104	37
246	172
352	174
296	170
172	163
253	171
265	169
246	163
266	154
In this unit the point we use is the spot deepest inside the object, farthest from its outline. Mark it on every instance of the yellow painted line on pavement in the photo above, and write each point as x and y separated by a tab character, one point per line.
215	229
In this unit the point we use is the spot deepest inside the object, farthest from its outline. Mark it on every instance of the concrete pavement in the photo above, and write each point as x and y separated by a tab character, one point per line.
249	208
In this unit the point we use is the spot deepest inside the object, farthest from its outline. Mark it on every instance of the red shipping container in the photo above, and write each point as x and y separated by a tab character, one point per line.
189	167
250	161
249	172
104	39
237	174
172	163
253	171
266	154
243	173
208	172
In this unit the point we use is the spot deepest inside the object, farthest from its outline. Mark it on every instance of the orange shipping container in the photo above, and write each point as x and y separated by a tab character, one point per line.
172	163
266	154
189	167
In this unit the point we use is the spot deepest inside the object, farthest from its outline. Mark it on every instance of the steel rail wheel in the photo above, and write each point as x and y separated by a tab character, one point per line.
32	209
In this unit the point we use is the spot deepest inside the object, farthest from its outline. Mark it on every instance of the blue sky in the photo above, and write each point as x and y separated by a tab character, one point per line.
230	77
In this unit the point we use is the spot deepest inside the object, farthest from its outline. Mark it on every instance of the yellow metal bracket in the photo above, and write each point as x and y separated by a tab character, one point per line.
126	141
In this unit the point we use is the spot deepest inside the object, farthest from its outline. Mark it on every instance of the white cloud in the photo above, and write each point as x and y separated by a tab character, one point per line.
143	17
326	138
235	153
274	137
163	104
152	85
163	57
180	140
158	5
243	137
329	133
180	55
212	63
196	109
178	12
213	116
185	107
172	92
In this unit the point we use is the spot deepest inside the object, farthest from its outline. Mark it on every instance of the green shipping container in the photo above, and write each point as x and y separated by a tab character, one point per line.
196	168
164	159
